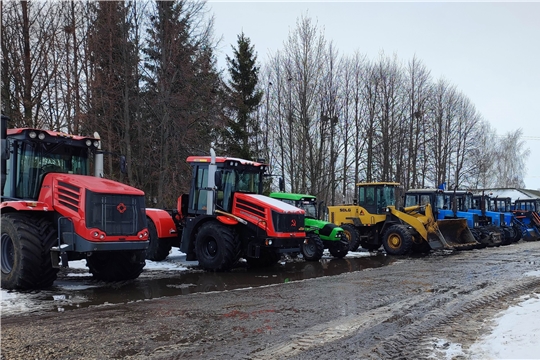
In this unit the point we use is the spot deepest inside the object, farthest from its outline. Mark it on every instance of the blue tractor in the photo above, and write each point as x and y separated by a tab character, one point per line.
454	205
527	213
496	213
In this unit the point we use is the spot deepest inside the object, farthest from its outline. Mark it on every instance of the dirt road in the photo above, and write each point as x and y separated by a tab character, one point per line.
395	311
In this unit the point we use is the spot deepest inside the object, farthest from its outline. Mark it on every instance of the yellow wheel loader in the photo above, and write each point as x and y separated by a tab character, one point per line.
373	220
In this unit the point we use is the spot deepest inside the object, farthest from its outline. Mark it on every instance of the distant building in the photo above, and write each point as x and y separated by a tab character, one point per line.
512	193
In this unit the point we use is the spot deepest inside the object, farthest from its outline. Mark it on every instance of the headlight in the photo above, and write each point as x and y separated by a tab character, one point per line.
88	142
41	136
32	134
96	143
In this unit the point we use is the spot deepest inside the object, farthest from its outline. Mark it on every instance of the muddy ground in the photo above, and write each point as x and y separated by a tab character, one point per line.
396	311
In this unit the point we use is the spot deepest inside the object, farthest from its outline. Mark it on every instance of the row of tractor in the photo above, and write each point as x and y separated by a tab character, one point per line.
433	219
53	211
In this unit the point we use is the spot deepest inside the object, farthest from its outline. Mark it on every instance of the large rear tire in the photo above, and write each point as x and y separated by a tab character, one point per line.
26	260
339	249
217	247
158	249
397	240
116	265
352	235
314	248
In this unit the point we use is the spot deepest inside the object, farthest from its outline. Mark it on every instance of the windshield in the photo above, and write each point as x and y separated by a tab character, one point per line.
237	181
309	207
33	162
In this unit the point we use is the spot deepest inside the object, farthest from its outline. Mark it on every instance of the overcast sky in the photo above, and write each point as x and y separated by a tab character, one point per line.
489	51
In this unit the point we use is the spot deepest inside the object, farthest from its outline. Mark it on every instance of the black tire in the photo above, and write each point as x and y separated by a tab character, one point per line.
339	249
397	240
158	249
352	235
116	265
217	247
26	259
313	249
267	258
517	233
370	247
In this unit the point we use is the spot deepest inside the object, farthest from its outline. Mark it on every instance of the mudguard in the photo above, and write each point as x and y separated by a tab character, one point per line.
165	226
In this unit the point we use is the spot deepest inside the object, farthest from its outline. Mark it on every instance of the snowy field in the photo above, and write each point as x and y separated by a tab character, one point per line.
516	334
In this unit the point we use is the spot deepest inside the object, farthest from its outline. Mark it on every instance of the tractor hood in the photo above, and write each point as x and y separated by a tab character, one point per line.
267	202
95	184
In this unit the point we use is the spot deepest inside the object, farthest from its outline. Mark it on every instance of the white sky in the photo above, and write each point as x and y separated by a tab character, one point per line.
489	51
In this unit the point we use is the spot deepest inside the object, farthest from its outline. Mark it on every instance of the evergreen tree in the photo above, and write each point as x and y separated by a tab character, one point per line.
242	127
180	93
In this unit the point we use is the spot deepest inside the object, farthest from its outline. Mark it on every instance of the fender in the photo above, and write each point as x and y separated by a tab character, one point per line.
163	221
24	205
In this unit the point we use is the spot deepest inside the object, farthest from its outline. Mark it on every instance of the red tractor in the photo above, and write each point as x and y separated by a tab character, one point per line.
54	212
224	218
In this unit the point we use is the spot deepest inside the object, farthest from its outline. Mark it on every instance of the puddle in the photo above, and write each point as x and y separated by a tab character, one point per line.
73	292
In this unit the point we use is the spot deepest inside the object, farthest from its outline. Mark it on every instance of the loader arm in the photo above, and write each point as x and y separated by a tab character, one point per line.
425	225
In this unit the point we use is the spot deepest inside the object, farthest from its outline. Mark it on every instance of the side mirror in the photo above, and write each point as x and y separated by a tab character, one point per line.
281	185
123	165
218	179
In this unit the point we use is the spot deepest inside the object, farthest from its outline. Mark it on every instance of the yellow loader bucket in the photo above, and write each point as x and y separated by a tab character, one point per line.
457	234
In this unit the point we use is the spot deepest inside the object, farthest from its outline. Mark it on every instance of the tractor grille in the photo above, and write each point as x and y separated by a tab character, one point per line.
116	215
287	222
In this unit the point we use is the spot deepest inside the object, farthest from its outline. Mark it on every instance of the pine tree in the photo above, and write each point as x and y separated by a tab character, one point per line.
245	98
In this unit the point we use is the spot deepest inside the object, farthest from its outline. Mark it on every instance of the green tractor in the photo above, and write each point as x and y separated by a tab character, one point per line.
323	234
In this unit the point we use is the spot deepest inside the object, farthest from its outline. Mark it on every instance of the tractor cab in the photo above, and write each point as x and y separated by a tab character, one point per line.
229	176
375	197
308	203
501	204
527	205
35	153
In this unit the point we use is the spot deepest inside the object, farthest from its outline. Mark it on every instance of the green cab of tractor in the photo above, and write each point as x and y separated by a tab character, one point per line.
321	234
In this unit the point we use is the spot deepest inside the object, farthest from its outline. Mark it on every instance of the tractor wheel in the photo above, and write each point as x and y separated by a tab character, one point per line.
116	265
340	248
26	259
517	233
266	258
217	247
352	235
158	249
397	240
313	249
369	246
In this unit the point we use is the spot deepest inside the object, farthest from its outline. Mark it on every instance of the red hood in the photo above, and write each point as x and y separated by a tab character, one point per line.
95	184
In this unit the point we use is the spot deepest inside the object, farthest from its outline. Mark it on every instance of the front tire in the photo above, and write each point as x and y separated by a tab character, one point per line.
116	265
26	259
217	247
313	249
158	249
397	240
352	235
339	249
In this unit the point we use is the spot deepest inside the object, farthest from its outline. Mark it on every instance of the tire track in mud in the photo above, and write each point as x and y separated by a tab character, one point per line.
413	334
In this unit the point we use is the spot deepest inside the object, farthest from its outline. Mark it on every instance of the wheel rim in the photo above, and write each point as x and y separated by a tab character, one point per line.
8	254
394	241
309	248
347	235
211	247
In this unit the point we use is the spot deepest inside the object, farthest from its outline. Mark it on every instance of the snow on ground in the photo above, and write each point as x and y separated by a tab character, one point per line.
516	334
